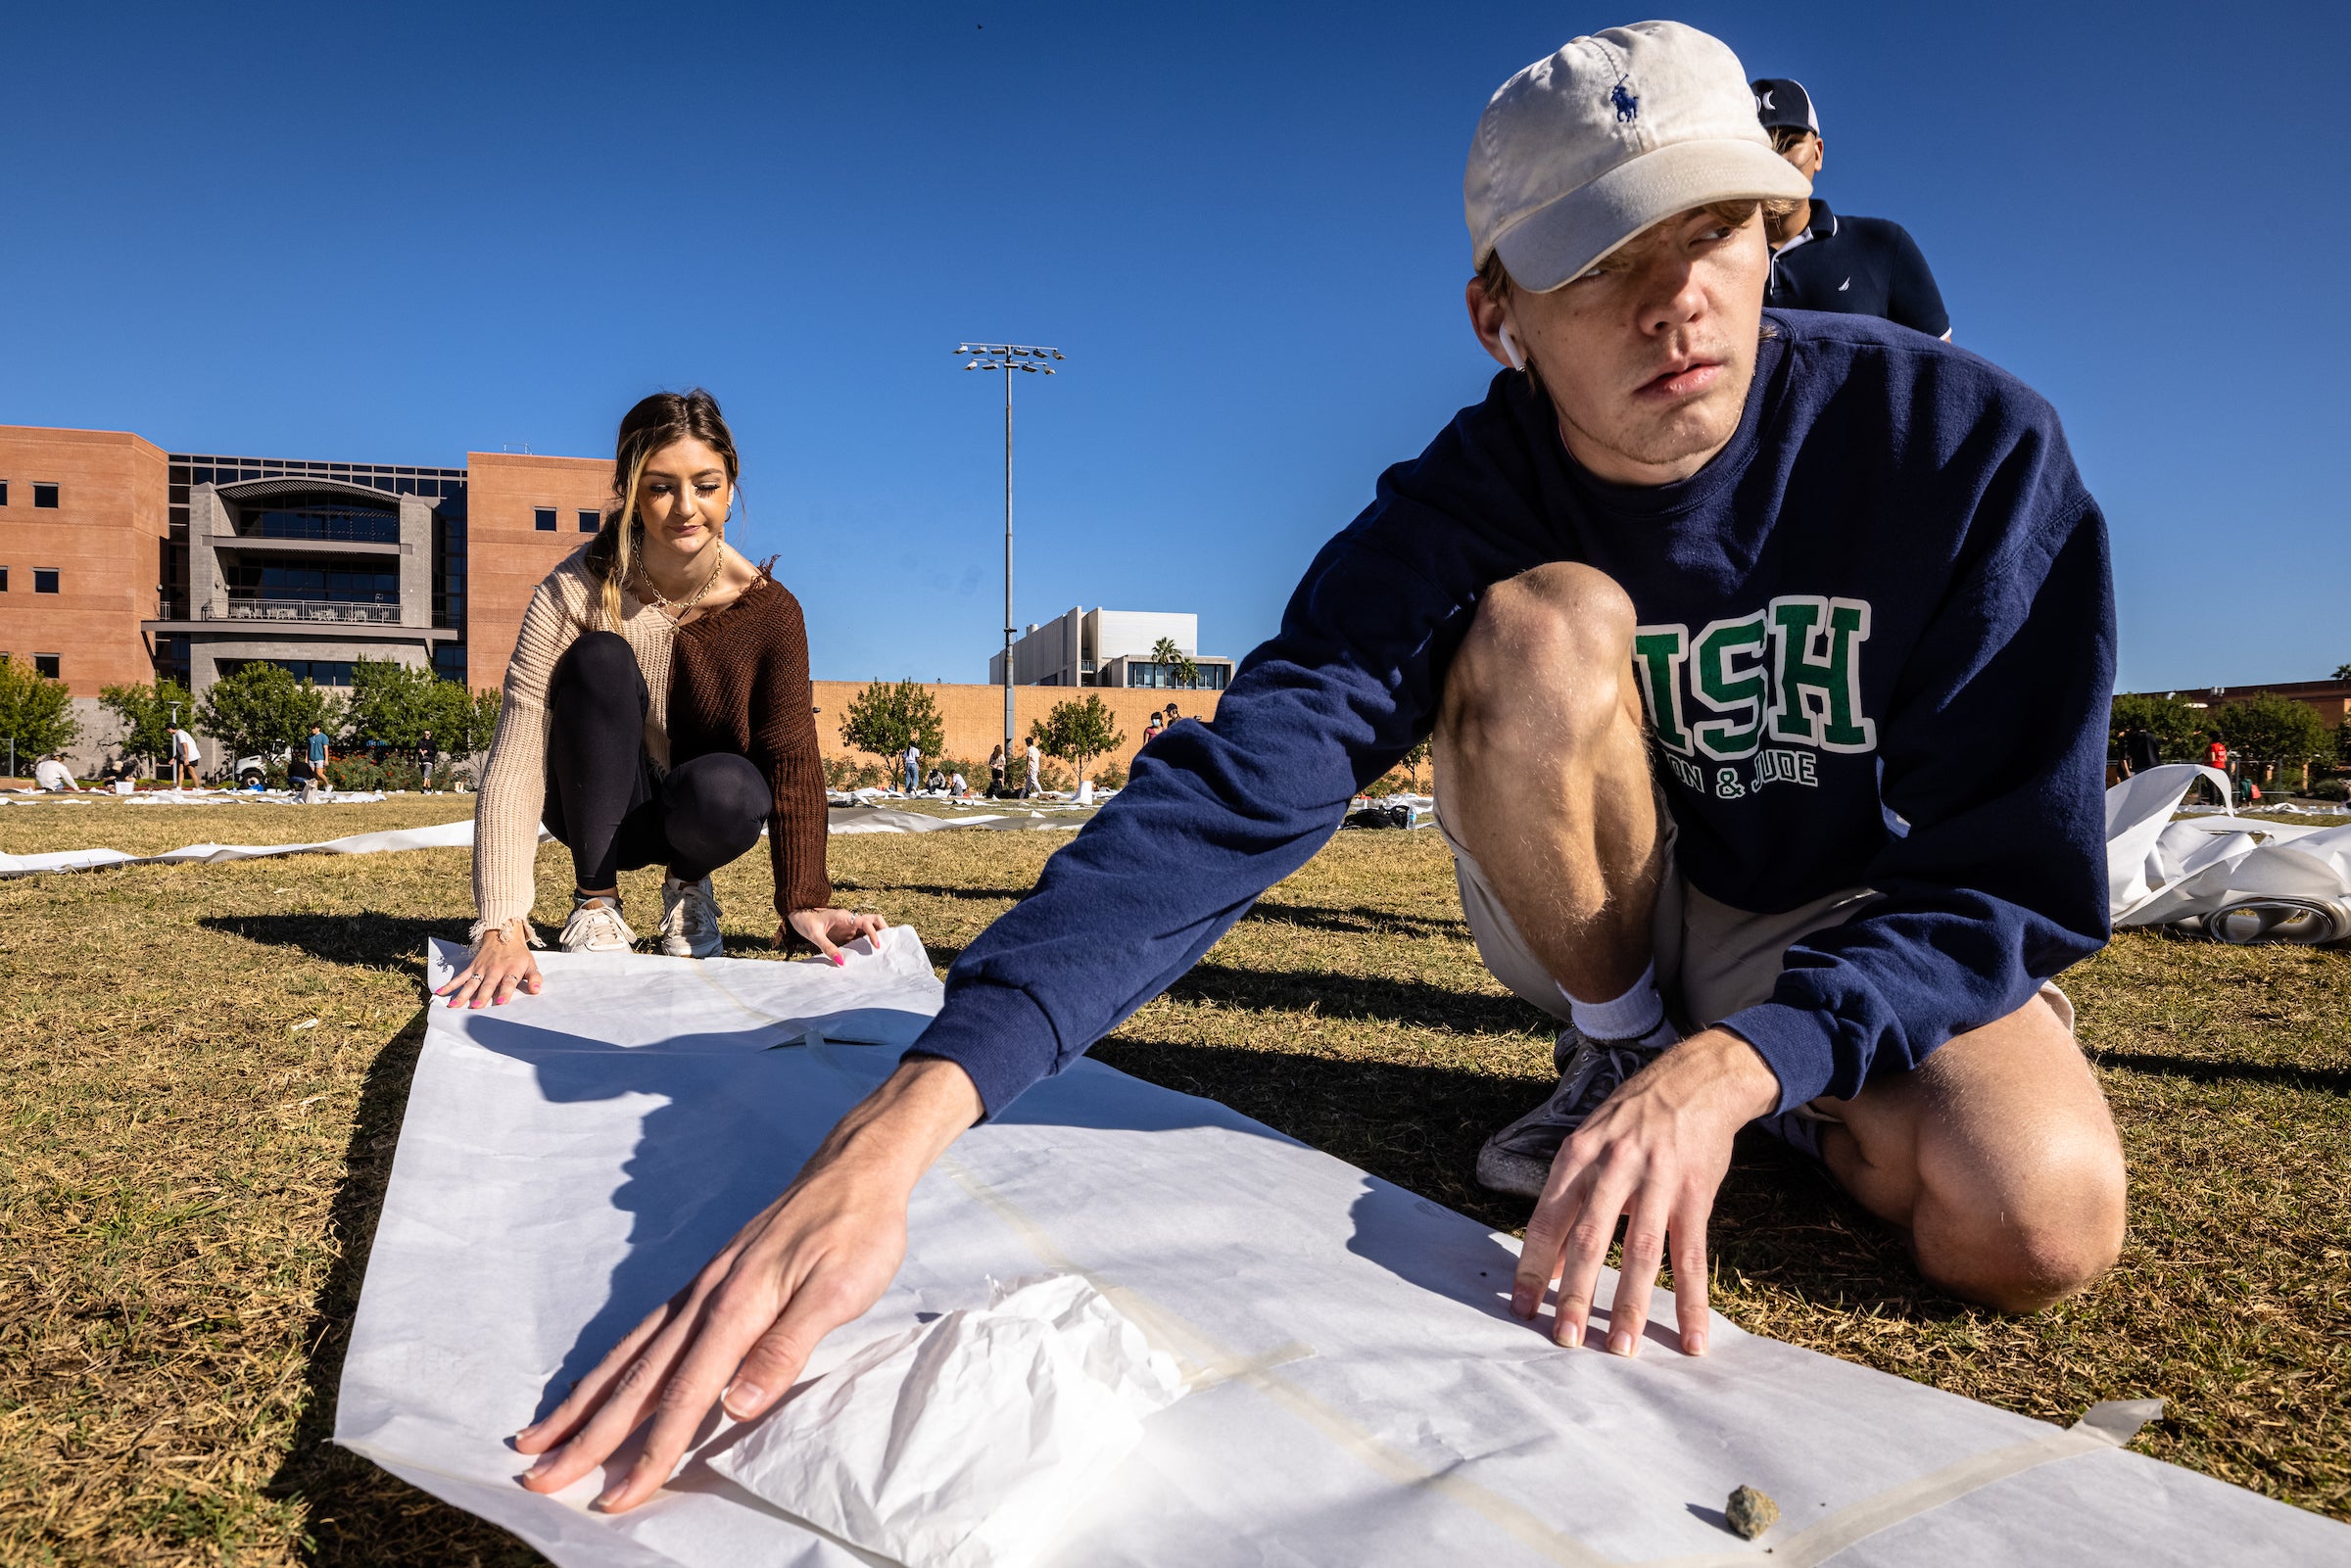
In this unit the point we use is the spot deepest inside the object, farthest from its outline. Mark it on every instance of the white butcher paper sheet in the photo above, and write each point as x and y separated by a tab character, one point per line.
1360	1393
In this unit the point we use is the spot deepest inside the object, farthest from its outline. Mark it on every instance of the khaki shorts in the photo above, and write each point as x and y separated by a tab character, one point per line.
1711	960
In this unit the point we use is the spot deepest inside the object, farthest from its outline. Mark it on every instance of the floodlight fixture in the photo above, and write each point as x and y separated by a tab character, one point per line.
1008	357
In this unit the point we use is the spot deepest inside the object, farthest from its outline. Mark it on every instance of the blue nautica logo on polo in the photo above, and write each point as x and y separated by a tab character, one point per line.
1628	106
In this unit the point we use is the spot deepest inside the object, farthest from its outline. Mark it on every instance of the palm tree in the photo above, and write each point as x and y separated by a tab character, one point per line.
1181	671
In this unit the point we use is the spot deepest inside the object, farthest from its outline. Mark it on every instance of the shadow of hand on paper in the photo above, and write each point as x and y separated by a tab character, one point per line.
1432	1248
711	1100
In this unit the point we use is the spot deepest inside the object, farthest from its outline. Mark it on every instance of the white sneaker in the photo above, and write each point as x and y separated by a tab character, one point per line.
689	919
595	926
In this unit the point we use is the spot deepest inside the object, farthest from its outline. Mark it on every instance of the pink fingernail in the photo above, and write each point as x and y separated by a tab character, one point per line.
1621	1343
742	1398
1694	1344
1571	1336
840	963
546	1462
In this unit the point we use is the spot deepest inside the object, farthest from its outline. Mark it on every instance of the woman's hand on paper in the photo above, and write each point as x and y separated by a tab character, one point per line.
826	928
1656	1150
743	1328
502	964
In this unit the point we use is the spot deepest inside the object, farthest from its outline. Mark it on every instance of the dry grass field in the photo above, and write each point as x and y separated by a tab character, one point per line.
203	1068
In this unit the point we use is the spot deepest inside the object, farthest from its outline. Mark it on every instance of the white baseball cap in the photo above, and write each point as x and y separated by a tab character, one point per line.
1583	150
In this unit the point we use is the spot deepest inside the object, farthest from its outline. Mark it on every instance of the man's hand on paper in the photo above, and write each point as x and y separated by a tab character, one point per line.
1656	1150
826	928
745	1326
502	964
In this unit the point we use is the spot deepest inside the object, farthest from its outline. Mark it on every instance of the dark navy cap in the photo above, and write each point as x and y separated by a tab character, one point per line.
1783	102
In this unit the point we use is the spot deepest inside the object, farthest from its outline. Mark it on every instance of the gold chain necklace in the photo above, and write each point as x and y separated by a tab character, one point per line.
675	610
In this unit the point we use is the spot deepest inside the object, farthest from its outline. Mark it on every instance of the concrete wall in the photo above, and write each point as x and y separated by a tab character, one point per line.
975	715
506	555
104	540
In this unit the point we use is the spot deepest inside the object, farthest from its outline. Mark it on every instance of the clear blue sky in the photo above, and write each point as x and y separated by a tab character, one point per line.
395	233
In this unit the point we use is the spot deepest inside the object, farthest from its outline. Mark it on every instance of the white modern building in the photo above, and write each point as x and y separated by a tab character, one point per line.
1109	648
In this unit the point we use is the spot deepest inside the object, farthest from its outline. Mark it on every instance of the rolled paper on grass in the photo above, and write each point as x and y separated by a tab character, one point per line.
2235	878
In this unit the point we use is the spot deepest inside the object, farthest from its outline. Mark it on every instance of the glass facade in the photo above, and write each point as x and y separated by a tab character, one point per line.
1160	678
445	486
349	524
336	581
320	672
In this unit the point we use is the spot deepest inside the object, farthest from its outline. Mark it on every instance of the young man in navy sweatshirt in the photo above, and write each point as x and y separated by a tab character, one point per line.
1768	659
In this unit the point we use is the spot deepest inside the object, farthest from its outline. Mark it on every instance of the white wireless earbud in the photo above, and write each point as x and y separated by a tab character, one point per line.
1511	350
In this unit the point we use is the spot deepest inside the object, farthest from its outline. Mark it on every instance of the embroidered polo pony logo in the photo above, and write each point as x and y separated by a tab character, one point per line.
1628	106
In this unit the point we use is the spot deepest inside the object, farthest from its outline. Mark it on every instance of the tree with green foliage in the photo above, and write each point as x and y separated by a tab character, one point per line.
888	716
2342	672
1182	673
1076	732
262	709
393	705
145	714
481	724
2274	729
35	712
1412	761
2179	729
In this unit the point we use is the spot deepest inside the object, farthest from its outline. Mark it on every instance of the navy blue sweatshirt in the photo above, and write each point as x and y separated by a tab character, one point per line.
1876	643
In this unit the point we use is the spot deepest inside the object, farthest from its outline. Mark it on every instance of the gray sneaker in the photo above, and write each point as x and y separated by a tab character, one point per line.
595	926
689	919
1517	1159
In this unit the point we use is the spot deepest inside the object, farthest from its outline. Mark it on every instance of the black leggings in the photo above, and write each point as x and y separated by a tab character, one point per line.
602	797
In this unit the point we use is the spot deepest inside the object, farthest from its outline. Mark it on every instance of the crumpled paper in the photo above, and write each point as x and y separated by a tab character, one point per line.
965	1443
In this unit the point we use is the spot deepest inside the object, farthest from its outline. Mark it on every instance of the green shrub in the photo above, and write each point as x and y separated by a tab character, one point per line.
356	775
2330	789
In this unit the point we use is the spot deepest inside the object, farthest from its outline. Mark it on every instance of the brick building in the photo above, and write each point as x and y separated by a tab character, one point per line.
120	563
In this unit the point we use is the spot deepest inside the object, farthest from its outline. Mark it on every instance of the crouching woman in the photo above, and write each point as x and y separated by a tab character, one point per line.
657	712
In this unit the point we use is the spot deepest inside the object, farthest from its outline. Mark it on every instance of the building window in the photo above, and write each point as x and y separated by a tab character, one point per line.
3	579
318	671
44	579
3	491
544	518
590	521
46	664
44	495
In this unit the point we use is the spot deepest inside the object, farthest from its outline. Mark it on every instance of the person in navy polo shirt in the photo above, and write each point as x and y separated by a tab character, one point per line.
1824	260
1766	659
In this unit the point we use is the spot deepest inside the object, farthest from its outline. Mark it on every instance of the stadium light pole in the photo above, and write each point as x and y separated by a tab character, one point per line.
1029	358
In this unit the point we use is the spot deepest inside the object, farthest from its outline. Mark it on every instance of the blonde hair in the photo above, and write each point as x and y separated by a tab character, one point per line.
657	422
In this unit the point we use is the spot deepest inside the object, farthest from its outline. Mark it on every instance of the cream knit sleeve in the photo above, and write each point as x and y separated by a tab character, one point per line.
513	792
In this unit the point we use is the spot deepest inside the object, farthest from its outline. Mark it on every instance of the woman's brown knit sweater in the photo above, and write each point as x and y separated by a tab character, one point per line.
736	681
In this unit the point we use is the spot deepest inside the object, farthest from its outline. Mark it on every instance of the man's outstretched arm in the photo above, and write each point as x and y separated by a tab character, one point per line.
743	1329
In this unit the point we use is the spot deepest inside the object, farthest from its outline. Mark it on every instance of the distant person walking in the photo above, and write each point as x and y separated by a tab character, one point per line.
914	768
428	754
184	756
995	773
1822	262
1029	786
2138	750
318	752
